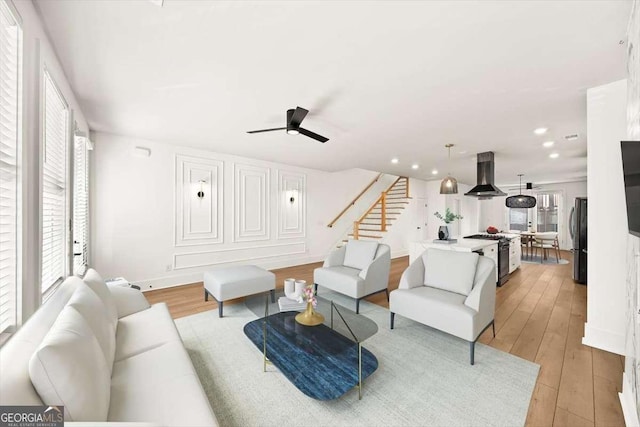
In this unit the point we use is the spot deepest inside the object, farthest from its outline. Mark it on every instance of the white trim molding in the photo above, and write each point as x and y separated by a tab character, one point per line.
291	214
251	196
627	401
604	340
233	255
198	220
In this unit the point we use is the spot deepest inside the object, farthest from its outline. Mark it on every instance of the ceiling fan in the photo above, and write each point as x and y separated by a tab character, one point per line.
294	119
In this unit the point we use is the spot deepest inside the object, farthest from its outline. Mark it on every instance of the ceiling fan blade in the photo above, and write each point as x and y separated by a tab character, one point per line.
298	117
265	130
313	135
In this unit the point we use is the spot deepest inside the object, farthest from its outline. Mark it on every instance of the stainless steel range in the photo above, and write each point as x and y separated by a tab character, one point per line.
503	254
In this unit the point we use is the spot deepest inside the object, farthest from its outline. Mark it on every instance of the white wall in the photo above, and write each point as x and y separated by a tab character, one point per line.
134	214
630	396
606	221
494	212
427	200
37	54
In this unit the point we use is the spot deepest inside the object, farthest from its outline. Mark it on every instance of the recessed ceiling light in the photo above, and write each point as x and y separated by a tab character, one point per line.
434	172
548	144
394	160
414	166
540	131
554	155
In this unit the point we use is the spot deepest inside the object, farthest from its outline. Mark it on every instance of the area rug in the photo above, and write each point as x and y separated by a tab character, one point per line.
424	378
549	261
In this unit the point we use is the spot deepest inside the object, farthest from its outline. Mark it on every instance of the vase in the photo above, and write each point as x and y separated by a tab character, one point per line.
443	232
309	317
293	289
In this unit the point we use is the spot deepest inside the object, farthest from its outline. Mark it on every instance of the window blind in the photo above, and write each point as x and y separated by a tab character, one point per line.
54	185
10	64
80	205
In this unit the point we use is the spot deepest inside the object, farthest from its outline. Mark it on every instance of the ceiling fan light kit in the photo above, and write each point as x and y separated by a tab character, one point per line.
294	119
449	185
521	201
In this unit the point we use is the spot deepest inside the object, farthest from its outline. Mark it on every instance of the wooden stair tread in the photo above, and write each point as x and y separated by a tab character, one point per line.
368	236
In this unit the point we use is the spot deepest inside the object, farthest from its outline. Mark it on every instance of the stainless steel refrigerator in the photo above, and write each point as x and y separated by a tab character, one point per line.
578	229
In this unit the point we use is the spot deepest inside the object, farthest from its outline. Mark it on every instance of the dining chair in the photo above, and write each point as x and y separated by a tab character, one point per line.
545	242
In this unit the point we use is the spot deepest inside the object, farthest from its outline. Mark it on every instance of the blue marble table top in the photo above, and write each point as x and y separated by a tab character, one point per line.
319	361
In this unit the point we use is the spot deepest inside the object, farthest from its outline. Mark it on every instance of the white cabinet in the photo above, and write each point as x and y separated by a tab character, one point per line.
491	252
515	254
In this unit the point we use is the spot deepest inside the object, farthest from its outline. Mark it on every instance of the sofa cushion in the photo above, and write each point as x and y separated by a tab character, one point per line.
128	300
342	279
145	330
97	284
152	385
15	385
69	369
450	270
90	306
360	253
437	308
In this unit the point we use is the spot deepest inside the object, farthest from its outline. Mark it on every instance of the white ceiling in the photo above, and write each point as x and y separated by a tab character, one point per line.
381	79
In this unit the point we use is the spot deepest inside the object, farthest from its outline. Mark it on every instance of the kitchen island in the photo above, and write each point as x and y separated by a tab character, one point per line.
489	248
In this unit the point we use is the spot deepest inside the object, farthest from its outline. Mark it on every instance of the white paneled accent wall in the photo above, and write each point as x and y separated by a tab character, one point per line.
291	204
199	220
237	255
150	226
251	197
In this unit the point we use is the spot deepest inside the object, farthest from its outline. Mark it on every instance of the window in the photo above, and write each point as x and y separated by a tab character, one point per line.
80	205
547	209
10	141
518	219
54	184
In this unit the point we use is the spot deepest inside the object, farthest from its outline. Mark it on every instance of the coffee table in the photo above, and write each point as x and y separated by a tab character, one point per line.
324	361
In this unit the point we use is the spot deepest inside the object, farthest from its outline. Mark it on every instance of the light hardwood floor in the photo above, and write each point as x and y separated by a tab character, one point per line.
540	315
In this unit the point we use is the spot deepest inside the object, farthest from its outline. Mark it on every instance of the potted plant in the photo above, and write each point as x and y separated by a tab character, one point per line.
448	217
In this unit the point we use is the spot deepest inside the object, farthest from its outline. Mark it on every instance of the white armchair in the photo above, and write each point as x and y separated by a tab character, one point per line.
454	292
358	269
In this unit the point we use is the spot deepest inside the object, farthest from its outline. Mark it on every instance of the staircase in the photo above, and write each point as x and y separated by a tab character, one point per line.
382	213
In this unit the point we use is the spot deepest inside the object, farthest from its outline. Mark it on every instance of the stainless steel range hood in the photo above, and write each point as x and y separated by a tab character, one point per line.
486	188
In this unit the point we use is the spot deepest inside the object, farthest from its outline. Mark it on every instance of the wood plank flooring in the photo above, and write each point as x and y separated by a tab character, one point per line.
540	315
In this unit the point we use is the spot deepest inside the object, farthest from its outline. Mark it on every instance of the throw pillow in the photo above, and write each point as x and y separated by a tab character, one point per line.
450	270
69	369
360	253
96	283
91	307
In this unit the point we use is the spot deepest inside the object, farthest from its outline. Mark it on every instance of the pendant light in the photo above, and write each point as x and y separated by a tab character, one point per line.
520	201
449	185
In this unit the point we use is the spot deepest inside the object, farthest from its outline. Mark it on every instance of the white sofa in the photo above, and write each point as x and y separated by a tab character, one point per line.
107	356
454	292
358	269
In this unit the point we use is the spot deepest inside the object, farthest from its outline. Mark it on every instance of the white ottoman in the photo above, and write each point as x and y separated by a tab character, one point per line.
228	283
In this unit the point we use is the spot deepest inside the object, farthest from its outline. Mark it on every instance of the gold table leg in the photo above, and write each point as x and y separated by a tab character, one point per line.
359	371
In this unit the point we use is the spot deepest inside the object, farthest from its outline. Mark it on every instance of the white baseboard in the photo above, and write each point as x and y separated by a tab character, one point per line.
603	339
628	403
195	277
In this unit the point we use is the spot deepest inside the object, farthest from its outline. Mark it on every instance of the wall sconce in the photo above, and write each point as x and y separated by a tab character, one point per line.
291	196
200	193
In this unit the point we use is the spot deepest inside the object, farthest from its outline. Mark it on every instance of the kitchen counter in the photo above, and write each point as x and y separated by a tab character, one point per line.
462	245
